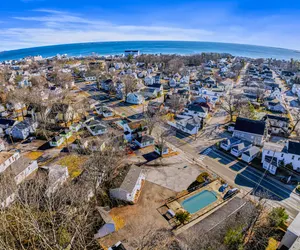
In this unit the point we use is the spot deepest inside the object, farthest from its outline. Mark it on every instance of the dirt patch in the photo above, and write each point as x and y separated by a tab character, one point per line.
141	217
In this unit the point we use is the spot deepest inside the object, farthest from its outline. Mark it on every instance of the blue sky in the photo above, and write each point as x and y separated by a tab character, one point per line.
29	23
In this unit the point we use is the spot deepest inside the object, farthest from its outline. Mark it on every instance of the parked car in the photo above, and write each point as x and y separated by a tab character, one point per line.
289	180
223	187
230	193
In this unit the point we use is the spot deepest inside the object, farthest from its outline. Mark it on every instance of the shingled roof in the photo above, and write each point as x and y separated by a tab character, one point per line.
250	126
294	147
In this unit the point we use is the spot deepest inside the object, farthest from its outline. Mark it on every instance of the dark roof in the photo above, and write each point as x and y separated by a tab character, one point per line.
294	147
144	138
7	122
197	108
279	118
250	126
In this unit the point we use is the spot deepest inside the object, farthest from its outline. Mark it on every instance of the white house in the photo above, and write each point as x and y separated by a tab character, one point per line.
130	187
90	78
149	80
274	155
296	89
196	110
144	141
96	128
189	125
135	98
291	238
6	159
104	111
227	144
172	82
250	154
56	141
238	149
250	130
22	168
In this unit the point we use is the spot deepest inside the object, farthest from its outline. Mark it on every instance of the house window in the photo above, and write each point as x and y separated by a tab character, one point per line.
281	155
293	157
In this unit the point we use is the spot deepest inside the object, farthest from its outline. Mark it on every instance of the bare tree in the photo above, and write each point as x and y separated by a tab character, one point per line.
175	65
296	120
177	103
130	84
231	105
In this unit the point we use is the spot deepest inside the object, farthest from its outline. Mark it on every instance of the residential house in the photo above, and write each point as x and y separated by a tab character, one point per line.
23	129
55	176
296	89
149	80
134	130
196	110
6	159
66	133
104	111
56	141
238	149
291	238
250	130
276	106
250	154
144	141
96	128
188	124
275	155
161	150
90	78
109	225
277	125
172	82
135	98
22	168
130	187
7	124
75	127
227	144
61	113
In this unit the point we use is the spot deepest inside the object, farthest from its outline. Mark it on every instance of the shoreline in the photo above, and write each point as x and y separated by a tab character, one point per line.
151	47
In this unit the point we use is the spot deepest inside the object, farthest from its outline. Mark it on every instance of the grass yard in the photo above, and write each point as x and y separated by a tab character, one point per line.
73	163
34	155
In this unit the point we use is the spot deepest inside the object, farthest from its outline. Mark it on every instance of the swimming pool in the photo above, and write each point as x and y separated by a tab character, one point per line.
199	201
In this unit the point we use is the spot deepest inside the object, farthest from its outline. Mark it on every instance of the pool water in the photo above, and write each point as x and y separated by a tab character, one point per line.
199	201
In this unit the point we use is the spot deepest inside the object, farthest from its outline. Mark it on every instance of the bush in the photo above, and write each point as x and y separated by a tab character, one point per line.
234	238
200	179
205	175
182	216
278	217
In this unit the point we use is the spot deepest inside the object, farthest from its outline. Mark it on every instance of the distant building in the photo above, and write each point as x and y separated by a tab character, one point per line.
132	52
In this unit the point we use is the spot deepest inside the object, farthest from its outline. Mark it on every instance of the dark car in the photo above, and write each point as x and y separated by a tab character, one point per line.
289	180
230	193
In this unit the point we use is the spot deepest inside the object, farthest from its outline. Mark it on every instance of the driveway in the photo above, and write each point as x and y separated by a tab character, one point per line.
176	177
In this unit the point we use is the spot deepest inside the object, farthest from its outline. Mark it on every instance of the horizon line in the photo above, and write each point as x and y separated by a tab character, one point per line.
121	41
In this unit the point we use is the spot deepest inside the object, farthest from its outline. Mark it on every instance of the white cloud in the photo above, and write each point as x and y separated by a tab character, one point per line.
60	27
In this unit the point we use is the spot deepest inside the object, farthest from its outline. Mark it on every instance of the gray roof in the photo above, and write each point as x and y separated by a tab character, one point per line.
131	179
274	147
242	145
20	165
105	215
230	140
252	151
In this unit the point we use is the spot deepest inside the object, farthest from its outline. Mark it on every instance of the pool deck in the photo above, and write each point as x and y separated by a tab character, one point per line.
213	186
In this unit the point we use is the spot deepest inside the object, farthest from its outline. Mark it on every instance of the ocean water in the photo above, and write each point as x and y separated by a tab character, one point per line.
150	47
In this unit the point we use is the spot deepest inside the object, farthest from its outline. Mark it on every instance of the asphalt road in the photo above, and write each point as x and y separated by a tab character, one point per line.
250	180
